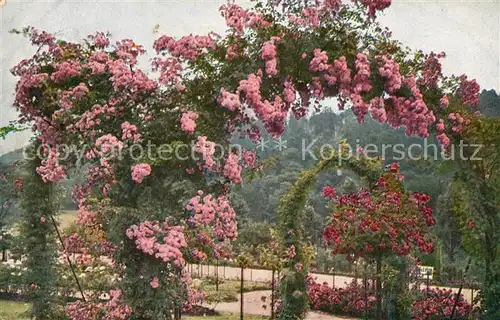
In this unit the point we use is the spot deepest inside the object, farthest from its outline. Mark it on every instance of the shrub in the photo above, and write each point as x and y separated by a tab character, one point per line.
438	304
214	297
435	304
349	300
12	278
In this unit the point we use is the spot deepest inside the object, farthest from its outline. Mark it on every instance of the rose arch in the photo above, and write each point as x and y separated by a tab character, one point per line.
157	190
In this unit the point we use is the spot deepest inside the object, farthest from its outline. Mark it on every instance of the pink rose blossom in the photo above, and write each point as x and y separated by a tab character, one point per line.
228	100
130	132
50	170
232	169
139	171
207	149
188	123
154	284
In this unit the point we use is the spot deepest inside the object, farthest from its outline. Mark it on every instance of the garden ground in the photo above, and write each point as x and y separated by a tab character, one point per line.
13	310
261	275
253	305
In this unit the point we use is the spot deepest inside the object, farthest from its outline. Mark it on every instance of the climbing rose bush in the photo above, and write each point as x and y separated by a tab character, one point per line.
385	221
168	249
207	210
104	99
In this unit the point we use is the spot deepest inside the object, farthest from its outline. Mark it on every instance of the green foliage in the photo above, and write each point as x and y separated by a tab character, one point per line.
38	203
215	297
272	253
328	263
12	127
448	227
291	217
490	103
293	292
244	259
397	298
479	204
293	289
14	310
12	279
250	236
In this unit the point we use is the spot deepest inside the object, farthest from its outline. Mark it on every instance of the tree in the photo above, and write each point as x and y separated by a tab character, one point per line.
477	206
251	235
448	228
378	223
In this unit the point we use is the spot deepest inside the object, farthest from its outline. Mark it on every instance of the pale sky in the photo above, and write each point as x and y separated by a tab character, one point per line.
468	31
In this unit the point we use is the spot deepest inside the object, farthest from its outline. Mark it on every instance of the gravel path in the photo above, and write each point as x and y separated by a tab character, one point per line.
253	305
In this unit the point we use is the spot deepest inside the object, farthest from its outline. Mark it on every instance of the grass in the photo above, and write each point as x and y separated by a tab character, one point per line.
66	218
229	289
234	285
14	310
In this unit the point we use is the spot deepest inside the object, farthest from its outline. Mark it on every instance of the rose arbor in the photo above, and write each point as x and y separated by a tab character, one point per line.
158	211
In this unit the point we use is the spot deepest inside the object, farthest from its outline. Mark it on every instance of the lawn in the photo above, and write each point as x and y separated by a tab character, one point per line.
12	310
228	289
66	218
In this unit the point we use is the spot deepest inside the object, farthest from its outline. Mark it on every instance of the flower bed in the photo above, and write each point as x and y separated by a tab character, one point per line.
349	300
434	304
438	304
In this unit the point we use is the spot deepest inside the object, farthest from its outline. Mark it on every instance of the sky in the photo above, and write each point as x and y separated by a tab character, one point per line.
468	31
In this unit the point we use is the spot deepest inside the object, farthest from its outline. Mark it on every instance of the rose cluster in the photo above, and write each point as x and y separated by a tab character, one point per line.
385	219
340	300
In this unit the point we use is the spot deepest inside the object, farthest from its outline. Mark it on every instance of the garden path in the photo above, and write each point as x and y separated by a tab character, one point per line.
253	305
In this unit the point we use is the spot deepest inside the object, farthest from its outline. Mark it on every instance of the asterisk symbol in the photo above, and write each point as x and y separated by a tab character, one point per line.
280	144
262	145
